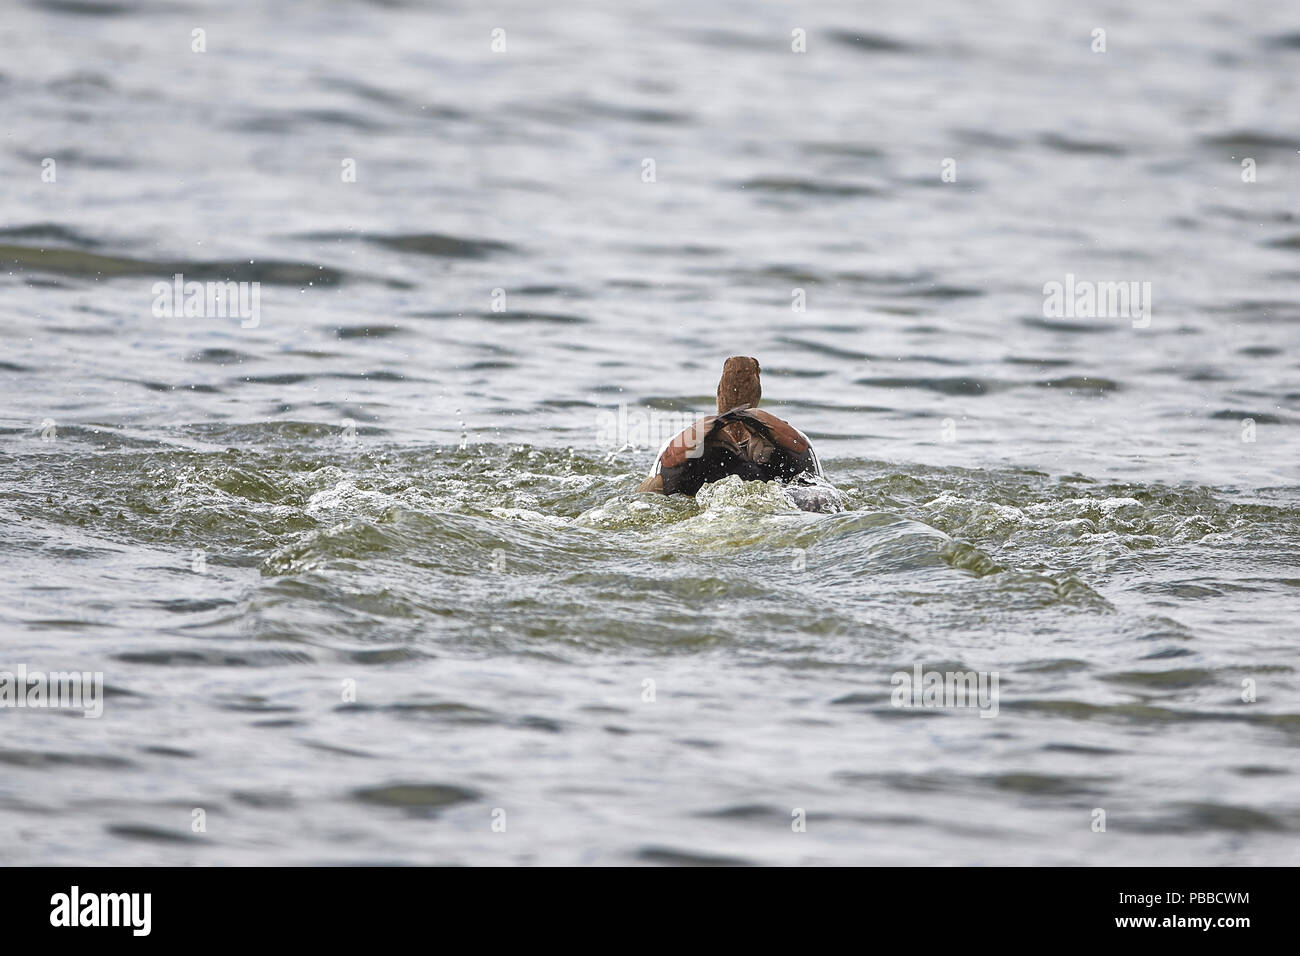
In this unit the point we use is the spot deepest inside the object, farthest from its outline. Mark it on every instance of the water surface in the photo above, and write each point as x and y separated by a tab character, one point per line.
368	571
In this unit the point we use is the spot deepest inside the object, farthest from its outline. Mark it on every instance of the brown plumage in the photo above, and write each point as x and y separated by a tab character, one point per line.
739	440
739	384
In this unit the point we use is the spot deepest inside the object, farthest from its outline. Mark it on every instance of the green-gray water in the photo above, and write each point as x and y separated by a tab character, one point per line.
369	576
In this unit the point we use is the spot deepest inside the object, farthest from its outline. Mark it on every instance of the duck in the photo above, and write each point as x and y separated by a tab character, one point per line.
743	440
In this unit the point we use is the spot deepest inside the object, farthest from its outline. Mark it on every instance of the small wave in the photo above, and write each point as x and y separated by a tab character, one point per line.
807	187
945	386
865	42
76	262
1066	144
420	243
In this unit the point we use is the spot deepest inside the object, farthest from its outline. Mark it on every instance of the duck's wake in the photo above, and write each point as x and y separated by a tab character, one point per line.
810	492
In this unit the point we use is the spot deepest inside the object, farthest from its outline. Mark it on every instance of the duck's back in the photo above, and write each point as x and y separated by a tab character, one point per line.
744	441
